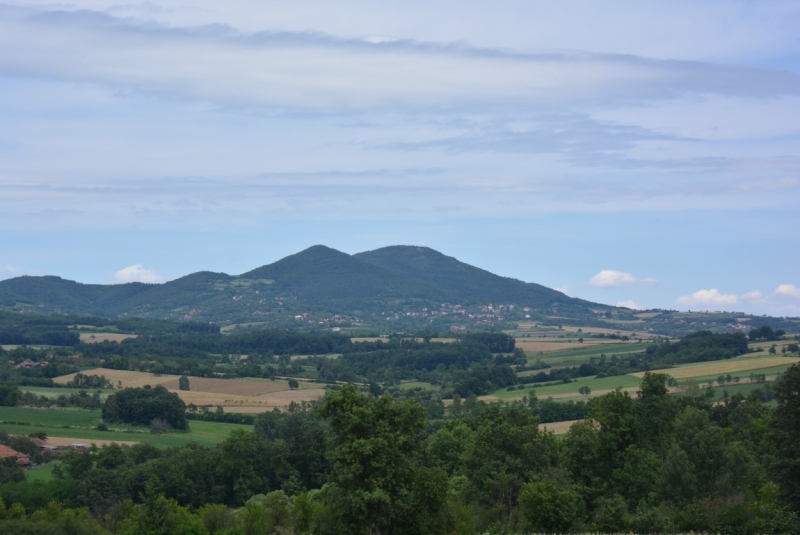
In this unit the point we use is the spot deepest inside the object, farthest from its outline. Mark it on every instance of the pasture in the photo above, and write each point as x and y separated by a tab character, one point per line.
79	426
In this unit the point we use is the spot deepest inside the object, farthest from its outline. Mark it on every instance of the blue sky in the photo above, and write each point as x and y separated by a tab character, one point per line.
645	153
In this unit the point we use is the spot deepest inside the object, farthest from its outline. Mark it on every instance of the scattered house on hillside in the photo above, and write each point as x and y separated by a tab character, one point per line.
22	459
27	363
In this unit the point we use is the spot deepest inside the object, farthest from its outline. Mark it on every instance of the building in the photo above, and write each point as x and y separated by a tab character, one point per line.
22	459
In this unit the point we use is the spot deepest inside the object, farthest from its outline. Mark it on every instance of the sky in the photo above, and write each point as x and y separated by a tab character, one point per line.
638	153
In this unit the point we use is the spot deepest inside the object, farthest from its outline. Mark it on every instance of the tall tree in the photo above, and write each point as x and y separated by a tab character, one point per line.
373	448
785	435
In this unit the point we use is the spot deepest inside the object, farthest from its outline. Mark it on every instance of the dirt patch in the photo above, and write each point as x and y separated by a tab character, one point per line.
128	378
96	338
65	442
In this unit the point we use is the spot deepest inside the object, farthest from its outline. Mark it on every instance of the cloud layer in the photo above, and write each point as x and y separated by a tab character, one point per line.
312	71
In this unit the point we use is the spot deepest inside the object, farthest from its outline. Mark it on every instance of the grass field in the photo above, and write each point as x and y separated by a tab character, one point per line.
563	390
80	427
40	474
418	384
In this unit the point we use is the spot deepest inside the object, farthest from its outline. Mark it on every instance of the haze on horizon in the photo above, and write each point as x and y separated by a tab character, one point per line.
640	153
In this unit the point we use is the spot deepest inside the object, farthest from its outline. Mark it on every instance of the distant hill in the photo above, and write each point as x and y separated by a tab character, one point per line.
400	282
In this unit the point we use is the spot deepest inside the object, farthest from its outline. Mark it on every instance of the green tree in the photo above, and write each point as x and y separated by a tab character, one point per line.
784	434
183	383
655	411
373	447
550	508
584	390
293	384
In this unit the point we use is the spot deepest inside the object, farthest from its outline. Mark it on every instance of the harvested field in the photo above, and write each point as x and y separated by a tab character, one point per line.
63	442
723	367
95	338
559	428
231	403
239	387
256	395
539	345
128	378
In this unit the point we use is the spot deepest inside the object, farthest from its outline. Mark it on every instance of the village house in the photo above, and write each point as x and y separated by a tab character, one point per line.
22	459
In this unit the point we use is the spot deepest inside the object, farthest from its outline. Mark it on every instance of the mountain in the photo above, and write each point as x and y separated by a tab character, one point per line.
472	284
401	282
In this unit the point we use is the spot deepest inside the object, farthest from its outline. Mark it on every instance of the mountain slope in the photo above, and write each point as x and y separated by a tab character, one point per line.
321	273
470	283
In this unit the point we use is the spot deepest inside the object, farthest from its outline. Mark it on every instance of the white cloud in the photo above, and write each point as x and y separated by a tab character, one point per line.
787	290
753	296
708	297
608	278
8	271
629	303
137	273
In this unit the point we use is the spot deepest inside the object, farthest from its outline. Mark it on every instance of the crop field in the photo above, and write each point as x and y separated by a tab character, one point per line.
55	392
558	428
129	379
577	355
723	367
96	338
234	395
78	426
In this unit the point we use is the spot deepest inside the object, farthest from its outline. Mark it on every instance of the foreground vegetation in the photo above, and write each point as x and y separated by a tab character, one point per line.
356	463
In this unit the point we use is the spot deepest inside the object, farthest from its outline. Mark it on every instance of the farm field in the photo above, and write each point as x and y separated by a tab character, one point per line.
82	423
418	384
722	367
96	338
558	428
234	395
55	392
577	355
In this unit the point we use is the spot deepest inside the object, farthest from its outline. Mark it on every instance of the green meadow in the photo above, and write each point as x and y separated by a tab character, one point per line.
81	424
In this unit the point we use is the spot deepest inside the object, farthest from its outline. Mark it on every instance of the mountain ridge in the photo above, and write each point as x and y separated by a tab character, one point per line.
390	280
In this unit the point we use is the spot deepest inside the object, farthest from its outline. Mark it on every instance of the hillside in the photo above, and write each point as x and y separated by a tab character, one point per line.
317	285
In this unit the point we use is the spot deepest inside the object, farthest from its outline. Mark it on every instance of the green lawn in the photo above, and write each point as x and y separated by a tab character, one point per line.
81	425
40	474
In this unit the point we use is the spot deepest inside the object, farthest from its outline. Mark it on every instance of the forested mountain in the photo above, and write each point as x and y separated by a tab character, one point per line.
470	283
316	284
